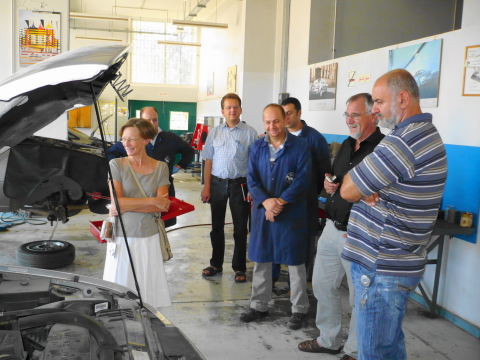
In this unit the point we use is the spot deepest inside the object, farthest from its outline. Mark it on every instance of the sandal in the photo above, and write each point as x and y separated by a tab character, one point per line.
314	347
211	271
240	274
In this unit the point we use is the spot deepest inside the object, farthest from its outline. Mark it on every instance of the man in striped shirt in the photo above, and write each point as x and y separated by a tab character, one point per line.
397	191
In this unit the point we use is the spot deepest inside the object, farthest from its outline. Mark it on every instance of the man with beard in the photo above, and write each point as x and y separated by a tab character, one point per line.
330	268
397	191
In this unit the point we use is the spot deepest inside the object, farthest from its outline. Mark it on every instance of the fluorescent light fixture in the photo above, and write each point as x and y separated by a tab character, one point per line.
84	16
178	43
97	38
200	24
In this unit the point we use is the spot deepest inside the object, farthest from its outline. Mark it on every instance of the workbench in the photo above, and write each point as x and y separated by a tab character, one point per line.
443	229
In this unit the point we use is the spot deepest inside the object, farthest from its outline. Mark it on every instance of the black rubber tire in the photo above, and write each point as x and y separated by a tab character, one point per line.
46	254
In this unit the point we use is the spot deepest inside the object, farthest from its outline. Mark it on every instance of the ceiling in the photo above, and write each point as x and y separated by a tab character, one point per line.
165	10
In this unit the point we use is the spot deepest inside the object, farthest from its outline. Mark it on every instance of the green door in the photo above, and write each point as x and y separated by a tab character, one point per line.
164	109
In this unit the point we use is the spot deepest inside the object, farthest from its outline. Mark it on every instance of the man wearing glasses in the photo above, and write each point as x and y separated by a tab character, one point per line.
330	268
226	156
164	147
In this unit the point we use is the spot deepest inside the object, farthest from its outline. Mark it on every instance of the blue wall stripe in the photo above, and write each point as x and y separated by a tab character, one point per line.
462	189
463	183
455	319
333	137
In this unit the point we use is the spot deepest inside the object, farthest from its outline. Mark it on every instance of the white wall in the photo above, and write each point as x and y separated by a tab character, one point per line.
456	118
250	43
221	49
6	38
259	59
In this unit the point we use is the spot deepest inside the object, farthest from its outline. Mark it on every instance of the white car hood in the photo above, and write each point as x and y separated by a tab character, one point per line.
36	96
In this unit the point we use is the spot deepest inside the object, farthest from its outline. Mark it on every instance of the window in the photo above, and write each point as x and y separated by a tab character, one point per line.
156	63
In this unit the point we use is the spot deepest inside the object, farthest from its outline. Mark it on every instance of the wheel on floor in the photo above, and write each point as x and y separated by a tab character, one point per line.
46	254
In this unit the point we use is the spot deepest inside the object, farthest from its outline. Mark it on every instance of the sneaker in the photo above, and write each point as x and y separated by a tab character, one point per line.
252	314
296	321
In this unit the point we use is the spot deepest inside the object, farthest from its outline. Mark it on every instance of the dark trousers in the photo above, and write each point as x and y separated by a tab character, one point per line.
221	191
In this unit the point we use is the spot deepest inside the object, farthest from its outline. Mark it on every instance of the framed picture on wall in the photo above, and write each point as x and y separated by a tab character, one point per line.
232	79
39	36
210	82
178	120
322	87
423	62
471	71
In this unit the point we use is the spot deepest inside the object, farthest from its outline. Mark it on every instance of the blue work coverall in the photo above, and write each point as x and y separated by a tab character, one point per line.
285	240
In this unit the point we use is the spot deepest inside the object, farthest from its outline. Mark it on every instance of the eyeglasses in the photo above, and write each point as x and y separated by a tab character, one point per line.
231	107
354	116
125	140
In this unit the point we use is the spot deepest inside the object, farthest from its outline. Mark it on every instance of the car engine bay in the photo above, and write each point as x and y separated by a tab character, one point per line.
51	319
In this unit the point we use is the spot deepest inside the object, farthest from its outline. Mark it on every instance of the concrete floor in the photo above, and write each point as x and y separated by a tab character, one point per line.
206	309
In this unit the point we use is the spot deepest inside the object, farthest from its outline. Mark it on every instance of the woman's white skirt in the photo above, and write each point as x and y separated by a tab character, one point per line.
148	261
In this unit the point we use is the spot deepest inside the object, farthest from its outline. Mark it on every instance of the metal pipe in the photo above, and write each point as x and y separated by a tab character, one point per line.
73	27
285	42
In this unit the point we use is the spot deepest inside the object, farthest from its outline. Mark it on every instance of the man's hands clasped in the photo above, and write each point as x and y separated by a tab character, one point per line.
273	207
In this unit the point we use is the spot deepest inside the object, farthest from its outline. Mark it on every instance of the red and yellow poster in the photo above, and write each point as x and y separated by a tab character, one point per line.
39	36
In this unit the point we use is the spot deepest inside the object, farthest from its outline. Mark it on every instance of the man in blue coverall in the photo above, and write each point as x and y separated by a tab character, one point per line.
321	165
164	147
279	177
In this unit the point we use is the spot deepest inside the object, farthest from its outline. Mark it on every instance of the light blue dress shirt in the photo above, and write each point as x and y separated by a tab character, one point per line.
228	149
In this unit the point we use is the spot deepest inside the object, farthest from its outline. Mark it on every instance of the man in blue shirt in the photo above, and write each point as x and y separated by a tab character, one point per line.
397	191
279	176
226	155
164	147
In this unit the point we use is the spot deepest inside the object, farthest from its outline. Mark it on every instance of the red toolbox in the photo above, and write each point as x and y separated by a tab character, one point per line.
177	208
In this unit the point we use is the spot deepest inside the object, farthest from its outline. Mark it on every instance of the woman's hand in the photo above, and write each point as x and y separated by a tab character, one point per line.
112	211
162	202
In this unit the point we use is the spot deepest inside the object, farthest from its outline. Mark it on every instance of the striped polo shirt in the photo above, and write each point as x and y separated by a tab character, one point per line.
408	169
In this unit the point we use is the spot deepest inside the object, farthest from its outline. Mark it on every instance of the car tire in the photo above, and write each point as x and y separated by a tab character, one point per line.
46	254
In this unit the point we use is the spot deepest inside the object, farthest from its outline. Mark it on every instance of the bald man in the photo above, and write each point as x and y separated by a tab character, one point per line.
397	191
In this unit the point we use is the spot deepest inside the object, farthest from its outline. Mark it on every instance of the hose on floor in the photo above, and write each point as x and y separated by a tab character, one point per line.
187	226
11	219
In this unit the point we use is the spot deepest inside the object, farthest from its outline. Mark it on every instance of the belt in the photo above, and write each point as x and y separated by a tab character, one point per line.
340	226
240	179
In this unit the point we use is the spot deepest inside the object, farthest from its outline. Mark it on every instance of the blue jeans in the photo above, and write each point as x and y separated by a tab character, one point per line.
380	308
221	192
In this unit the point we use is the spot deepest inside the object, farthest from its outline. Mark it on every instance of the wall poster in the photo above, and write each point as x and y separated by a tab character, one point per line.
322	87
178	120
471	72
38	36
423	62
210	84
232	79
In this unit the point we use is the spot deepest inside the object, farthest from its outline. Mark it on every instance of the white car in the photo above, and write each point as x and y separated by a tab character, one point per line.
48	314
319	87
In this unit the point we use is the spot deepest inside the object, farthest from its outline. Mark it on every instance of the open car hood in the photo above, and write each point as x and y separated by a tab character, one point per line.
36	96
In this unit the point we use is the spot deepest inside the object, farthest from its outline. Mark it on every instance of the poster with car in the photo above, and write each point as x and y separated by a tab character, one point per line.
423	62
471	74
322	87
39	36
